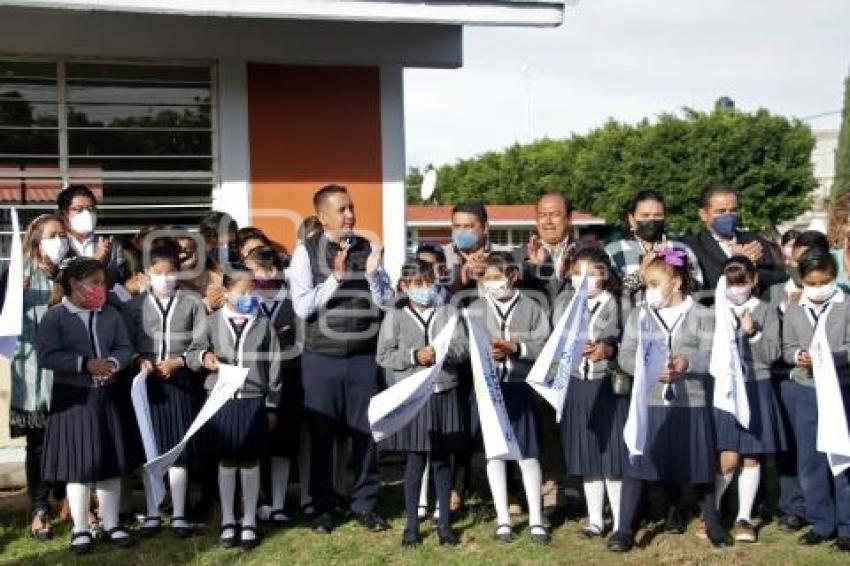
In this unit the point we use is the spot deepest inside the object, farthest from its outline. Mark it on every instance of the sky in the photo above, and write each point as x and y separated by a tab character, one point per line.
629	59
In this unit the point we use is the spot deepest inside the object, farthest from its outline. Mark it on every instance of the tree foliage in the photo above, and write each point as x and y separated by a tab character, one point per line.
767	157
841	184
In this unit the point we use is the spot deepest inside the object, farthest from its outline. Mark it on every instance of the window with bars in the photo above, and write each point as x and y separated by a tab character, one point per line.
142	136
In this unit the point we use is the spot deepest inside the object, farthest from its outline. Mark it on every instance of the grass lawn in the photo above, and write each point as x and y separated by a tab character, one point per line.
350	544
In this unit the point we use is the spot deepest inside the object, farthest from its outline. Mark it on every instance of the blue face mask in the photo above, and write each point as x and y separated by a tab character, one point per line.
725	224
247	304
464	239
424	296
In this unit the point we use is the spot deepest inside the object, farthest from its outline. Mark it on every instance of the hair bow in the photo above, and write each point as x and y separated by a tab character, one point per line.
674	257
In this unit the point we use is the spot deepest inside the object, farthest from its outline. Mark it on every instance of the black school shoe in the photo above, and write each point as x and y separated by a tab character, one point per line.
842	544
323	524
372	521
811	538
411	538
447	536
791	523
620	542
675	522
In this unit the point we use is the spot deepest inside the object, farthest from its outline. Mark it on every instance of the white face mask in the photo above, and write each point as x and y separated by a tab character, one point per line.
163	284
83	222
655	298
820	293
738	295
498	290
593	288
55	249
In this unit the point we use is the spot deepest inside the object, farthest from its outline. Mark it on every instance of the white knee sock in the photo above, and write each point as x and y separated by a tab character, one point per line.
79	496
423	491
280	481
614	488
226	492
594	494
499	490
250	492
721	484
532	480
109	501
178	477
304	467
748	485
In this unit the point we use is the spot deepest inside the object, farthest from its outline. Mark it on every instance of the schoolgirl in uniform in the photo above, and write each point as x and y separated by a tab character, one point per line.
680	445
594	415
85	343
163	320
518	327
759	344
404	348
237	335
276	305
822	302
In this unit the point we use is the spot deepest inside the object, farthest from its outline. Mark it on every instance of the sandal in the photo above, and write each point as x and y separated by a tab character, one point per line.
279	518
504	533
249	543
181	531
119	541
41	528
152	526
230	541
83	547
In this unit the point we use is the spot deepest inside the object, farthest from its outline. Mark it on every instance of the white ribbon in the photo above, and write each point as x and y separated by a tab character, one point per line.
730	390
391	409
650	360
230	380
496	429
12	316
833	437
562	353
141	407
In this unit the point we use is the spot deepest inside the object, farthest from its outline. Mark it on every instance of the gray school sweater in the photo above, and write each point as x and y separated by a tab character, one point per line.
402	334
165	329
797	334
692	338
63	341
290	329
605	326
526	323
765	347
256	348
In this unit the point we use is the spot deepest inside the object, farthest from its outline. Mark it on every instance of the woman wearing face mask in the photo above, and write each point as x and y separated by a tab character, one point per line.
757	332
518	329
85	343
45	247
594	415
822	303
679	429
163	320
237	335
437	431
646	218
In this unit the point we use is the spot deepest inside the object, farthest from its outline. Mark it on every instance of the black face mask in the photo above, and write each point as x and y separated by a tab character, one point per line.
649	230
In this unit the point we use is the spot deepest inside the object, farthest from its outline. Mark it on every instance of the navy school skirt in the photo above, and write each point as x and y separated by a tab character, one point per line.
284	439
766	433
239	431
592	428
173	406
439	426
521	406
85	439
680	448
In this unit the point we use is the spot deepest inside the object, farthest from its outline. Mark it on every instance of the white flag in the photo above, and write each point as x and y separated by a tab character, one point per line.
562	353
391	409
496	429
12	316
651	359
833	437
730	392
141	407
230	380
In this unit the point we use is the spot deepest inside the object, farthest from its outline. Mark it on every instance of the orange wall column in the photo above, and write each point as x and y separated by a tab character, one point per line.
310	126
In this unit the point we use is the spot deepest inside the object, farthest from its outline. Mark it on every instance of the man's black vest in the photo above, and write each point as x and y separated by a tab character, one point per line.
348	324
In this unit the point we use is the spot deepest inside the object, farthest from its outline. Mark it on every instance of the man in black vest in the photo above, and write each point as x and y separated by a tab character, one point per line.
338	288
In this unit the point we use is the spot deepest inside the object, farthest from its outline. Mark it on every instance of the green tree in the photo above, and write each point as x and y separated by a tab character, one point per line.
841	183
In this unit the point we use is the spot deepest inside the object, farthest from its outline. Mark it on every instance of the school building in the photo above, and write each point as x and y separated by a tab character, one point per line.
168	108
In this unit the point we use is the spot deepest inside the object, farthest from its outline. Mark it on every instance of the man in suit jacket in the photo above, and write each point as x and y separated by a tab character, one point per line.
721	239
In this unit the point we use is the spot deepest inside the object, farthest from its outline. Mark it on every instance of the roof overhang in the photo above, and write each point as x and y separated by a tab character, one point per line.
469	12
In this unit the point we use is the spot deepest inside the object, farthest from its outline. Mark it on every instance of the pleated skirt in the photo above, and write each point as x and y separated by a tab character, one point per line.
766	433
134	451
283	439
173	407
438	426
592	428
85	440
680	448
521	407
239	431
